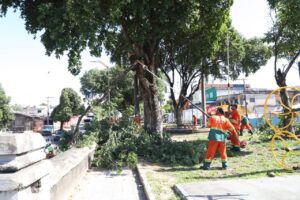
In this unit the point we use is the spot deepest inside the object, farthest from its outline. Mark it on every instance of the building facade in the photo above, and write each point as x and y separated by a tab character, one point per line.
24	122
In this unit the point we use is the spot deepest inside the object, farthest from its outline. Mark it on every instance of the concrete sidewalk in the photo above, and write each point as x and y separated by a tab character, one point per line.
109	186
277	188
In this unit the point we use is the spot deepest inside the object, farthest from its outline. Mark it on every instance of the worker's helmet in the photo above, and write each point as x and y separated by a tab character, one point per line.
243	144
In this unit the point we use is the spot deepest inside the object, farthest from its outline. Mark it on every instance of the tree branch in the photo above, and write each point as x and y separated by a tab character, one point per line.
291	63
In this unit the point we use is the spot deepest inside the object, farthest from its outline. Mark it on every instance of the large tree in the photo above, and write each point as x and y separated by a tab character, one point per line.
284	38
69	105
95	83
6	114
121	26
192	60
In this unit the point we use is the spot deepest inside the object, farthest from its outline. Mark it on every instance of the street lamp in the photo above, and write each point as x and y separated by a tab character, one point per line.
228	78
48	110
108	84
244	91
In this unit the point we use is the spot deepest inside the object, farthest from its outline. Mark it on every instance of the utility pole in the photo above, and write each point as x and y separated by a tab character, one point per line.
48	113
228	85
245	99
203	99
108	83
244	94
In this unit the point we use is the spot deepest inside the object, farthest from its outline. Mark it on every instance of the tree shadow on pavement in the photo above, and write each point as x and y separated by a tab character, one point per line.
203	175
219	197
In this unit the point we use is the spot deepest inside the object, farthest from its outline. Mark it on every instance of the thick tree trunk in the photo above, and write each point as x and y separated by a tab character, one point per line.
61	125
76	133
152	114
179	106
281	82
143	60
178	115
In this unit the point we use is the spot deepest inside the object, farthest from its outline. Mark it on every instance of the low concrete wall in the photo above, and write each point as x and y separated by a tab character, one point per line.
26	174
68	169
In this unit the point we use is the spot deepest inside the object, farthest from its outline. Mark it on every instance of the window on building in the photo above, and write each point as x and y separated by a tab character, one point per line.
252	100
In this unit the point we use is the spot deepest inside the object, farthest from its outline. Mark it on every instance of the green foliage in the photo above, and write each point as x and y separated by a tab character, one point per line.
65	141
166	151
17	107
118	150
168	107
87	140
95	83
264	131
256	55
190	58
71	26
69	105
122	143
122	27
6	114
285	30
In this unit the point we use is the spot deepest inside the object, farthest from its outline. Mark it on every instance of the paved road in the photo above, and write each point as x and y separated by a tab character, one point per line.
278	188
107	185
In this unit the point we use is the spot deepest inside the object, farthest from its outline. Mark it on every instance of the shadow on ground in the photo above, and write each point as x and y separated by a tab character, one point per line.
204	176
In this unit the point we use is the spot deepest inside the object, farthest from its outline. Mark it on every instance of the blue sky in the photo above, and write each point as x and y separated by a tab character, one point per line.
28	76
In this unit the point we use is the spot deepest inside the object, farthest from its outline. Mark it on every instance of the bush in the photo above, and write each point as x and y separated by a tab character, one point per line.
121	145
119	150
264	132
166	151
87	140
65	141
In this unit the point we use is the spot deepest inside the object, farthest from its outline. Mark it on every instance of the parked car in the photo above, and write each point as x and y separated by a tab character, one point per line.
56	138
81	129
60	132
48	130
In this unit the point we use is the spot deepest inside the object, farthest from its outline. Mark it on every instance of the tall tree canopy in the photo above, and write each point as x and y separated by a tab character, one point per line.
95	83
122	26
180	55
6	114
69	105
284	38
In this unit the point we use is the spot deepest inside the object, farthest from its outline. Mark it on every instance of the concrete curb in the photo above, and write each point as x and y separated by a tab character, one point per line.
182	193
146	186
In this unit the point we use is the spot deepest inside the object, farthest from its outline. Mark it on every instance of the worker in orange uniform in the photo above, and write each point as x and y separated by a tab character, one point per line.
219	125
245	125
195	122
235	119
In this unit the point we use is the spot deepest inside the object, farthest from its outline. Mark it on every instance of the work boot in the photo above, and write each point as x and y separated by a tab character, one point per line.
224	165
251	132
241	132
206	166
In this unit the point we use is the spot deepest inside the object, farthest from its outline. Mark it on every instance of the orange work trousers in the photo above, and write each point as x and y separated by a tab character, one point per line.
212	148
235	139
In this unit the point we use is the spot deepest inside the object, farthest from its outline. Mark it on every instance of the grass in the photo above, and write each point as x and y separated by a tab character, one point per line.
253	162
